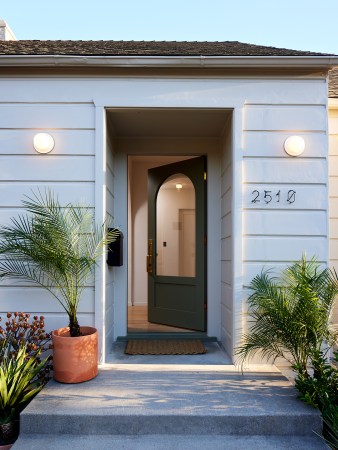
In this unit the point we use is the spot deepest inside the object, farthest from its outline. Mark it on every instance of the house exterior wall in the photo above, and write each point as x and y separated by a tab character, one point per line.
109	201
260	234
333	189
227	253
69	171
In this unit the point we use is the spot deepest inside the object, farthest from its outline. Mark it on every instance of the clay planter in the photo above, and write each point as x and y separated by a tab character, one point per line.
9	433
75	359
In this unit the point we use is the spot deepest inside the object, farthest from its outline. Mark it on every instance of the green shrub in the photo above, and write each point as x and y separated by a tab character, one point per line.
19	381
319	388
290	316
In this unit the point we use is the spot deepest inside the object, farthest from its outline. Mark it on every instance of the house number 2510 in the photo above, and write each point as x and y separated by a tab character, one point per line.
264	196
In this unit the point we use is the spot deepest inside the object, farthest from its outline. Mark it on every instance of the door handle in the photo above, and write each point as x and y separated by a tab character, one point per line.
150	257
149	264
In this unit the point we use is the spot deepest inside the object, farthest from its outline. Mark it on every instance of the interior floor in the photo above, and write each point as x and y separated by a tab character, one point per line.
138	322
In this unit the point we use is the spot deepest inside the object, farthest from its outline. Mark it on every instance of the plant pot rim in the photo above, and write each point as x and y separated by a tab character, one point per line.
64	332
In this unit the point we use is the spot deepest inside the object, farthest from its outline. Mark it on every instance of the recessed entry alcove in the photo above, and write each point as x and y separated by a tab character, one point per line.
139	140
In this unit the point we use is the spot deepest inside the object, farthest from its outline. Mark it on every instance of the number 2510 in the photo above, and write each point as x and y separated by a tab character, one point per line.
263	196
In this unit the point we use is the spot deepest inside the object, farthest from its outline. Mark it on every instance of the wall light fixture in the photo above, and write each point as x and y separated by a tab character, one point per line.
43	142
294	145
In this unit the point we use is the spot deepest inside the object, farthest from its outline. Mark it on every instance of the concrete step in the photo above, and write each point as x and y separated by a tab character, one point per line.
143	400
167	442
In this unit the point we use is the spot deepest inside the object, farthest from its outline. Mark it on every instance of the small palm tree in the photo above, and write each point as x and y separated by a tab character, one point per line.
54	247
290	316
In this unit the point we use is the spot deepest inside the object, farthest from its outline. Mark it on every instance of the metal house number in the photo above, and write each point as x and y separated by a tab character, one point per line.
266	197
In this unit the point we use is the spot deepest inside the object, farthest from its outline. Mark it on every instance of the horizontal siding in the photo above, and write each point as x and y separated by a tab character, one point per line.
110	286
12	193
7	214
251	269
277	231
68	170
285	248
227	292
47	168
333	124
333	143
164	91
46	116
334	229
285	170
333	186
38	300
269	144
308	196
67	142
333	195
293	223
288	118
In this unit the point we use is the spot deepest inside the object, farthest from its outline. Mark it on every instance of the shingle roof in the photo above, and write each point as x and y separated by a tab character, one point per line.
333	83
144	48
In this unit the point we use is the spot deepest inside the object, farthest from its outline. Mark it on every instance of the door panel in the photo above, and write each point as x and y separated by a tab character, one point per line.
176	260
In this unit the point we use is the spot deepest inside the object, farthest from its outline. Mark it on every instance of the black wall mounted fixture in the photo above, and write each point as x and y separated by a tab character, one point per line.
115	251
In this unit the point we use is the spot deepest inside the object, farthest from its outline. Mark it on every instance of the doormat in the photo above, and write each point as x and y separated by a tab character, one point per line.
165	347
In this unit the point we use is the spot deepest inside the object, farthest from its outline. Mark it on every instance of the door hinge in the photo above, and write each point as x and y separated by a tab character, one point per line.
205	239
205	306
205	176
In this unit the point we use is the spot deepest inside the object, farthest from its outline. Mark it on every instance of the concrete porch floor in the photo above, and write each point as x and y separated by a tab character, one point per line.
215	356
180	403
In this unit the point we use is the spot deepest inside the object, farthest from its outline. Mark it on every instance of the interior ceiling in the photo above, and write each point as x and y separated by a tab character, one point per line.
178	123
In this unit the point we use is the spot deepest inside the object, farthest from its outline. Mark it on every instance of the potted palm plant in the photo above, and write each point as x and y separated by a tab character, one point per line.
57	248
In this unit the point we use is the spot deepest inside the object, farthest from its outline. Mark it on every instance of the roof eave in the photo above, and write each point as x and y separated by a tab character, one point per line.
326	62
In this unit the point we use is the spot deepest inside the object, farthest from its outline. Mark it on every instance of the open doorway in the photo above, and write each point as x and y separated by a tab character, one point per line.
141	138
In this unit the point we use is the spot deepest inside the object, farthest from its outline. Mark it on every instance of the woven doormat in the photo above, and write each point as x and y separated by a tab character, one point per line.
165	347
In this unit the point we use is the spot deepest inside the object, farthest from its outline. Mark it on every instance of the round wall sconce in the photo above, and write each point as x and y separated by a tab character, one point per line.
43	142
294	145
179	186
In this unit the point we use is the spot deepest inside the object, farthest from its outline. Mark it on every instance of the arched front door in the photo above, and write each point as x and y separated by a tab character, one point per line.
176	260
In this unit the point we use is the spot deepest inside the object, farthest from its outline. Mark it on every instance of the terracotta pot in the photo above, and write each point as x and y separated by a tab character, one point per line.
9	433
75	359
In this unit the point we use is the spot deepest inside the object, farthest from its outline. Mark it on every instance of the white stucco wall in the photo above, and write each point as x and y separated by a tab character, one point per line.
266	111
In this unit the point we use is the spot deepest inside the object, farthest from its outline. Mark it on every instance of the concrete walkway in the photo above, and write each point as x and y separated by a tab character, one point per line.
166	405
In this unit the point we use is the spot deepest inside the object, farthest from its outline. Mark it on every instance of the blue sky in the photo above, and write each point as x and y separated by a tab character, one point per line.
297	24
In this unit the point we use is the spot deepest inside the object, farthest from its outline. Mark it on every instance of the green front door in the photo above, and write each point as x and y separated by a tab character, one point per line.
176	261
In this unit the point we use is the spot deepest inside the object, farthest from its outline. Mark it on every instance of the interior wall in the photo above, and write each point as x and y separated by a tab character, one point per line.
169	204
138	224
138	219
